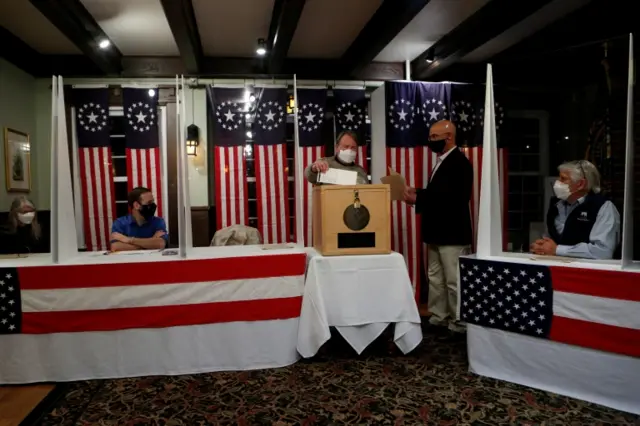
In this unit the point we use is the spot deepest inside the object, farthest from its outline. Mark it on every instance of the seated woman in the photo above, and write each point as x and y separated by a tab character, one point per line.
581	222
22	233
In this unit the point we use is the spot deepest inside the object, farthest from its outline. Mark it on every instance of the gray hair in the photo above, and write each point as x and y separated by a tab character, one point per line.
583	169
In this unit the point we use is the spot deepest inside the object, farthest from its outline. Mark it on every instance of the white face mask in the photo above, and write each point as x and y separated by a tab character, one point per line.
347	156
26	218
561	190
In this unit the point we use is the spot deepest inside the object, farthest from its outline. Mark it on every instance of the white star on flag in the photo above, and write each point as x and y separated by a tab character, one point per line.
92	117
349	116
228	120
144	121
272	118
463	115
402	108
313	121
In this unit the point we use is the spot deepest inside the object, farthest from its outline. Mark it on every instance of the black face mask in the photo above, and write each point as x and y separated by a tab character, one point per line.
437	146
148	210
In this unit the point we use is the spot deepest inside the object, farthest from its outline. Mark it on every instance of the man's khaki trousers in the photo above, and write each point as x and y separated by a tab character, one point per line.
442	271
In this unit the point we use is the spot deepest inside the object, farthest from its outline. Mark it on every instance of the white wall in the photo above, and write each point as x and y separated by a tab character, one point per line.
18	111
196	113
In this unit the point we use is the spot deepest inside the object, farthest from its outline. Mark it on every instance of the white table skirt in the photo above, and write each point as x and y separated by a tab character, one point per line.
360	296
65	357
600	377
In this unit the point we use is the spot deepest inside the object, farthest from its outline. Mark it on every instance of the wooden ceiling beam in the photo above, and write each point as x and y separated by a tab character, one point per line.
77	24
183	24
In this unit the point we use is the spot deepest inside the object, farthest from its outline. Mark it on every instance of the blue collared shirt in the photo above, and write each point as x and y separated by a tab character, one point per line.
127	225
604	237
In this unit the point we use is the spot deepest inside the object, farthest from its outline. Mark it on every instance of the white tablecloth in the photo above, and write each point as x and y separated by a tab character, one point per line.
360	296
189	349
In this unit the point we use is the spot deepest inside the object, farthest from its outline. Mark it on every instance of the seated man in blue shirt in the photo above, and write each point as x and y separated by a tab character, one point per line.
140	230
581	222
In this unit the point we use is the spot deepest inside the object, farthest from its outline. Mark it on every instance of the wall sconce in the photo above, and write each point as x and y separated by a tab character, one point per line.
193	139
291	105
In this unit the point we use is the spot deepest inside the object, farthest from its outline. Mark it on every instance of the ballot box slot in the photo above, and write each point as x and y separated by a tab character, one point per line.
349	240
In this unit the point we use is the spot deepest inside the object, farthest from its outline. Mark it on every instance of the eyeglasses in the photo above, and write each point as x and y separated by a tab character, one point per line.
584	175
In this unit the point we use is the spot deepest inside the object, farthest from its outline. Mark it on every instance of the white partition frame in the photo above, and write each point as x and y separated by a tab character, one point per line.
64	243
299	178
627	213
378	135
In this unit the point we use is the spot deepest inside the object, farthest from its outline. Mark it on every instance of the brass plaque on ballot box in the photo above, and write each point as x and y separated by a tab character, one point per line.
351	219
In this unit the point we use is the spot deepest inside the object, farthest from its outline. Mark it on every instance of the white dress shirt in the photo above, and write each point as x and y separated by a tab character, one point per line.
439	161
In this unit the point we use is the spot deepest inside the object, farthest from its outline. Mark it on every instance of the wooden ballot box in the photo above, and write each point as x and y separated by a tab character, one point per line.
351	219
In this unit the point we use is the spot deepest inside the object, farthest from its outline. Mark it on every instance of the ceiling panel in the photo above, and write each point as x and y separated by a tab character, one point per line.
437	19
26	22
529	26
328	27
232	27
136	27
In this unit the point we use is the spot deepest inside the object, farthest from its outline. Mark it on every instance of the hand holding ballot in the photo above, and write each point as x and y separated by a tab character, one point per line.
410	195
320	166
399	189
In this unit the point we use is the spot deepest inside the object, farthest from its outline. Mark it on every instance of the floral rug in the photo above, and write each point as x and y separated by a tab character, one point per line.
380	387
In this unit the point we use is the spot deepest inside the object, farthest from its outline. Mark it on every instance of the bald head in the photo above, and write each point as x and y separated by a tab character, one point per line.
441	127
442	136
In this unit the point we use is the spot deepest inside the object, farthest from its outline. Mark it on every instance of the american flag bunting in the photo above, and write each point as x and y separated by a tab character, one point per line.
95	164
595	309
230	163
272	170
143	143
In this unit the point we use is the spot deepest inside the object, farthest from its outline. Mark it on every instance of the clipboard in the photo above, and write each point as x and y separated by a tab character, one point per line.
397	183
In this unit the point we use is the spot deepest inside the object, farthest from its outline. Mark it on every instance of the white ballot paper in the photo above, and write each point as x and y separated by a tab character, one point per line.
338	177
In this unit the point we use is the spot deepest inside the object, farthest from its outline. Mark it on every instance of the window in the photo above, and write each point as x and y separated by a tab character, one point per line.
528	169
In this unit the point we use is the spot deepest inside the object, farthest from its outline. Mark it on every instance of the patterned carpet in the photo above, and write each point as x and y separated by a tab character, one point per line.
381	387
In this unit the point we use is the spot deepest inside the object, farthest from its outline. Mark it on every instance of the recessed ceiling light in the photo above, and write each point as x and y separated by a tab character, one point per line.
152	93
261	50
104	44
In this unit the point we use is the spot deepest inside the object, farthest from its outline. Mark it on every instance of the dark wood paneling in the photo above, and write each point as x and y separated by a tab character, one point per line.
172	173
200	226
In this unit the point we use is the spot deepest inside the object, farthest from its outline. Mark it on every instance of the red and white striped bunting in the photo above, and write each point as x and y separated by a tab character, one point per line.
272	191
231	186
96	174
143	169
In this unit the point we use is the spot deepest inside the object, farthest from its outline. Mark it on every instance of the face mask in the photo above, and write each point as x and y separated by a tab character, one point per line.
437	146
26	218
148	210
347	156
561	190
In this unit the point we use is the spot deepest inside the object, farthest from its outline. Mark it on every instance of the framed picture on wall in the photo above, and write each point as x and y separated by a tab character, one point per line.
17	160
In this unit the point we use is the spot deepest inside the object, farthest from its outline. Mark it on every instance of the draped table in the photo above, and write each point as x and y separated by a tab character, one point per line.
592	350
360	296
227	308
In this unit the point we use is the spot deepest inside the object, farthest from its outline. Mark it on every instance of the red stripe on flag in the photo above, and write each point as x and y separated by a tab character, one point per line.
309	155
597	336
405	231
231	186
272	191
161	316
143	169
96	174
589	282
170	272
